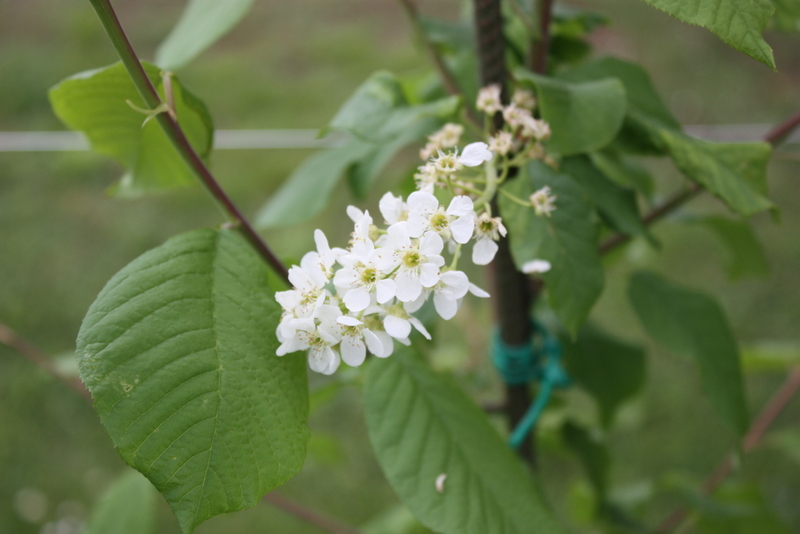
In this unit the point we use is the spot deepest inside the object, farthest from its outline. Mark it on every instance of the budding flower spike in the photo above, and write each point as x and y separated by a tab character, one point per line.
346	303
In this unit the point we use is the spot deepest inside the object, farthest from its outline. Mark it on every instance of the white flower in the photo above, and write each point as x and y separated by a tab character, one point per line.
489	99
516	116
360	276
502	143
426	178
324	257
393	208
536	266
524	99
356	339
543	202
487	230
536	129
425	213
428	151
398	323
447	294
448	136
478	292
474	154
417	262
319	341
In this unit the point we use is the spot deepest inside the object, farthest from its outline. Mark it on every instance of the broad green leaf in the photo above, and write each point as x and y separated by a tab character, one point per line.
202	23
94	102
786	441
592	454
739	23
639	90
609	369
616	204
745	254
379	111
787	15
692	324
733	172
421	426
382	123
310	186
178	352
567	239
583	116
127	507
623	171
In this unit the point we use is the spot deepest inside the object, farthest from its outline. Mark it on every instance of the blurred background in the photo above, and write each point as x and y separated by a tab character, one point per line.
290	65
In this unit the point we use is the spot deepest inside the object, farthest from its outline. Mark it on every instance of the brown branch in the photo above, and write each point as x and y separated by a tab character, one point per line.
775	137
541	47
116	33
758	428
14	341
449	81
312	517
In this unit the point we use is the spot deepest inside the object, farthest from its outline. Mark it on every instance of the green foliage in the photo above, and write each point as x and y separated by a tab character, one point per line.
616	204
734	172
623	171
611	370
737	22
745	254
94	102
202	23
422	426
592	453
382	121
178	352
567	239
692	324
787	15
744	511
126	508
583	116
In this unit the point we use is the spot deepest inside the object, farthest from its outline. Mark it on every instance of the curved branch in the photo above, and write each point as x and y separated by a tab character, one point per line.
312	517
175	134
757	430
775	137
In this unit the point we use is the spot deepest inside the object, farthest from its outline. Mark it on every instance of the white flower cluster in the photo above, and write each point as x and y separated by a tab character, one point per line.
346	302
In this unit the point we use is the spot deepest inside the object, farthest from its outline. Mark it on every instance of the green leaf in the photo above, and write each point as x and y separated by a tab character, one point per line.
592	454
583	116
382	122
692	324
611	370
567	239
127	507
733	172
786	441
739	23
639	90
310	186
94	102
623	171
202	23
422	426
616	204
787	15
178	352
745	254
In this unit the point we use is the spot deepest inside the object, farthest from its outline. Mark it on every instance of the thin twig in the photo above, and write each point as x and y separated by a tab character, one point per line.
449	81
538	57
27	349
775	137
309	516
14	341
757	430
174	132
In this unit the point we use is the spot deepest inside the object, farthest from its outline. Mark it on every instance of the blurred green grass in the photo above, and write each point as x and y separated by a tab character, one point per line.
290	65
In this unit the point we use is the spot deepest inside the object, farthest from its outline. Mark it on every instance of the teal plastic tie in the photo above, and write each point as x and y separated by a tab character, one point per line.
517	364
552	374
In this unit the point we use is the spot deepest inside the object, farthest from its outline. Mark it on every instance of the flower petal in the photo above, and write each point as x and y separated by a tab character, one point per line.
428	275
374	344
408	286
419	326
348	321
386	342
397	327
445	306
460	206
456	282
536	266
356	299
353	350
474	154
478	292
483	252
462	228
385	290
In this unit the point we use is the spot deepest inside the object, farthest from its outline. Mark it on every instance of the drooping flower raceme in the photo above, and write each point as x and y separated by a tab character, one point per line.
345	303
